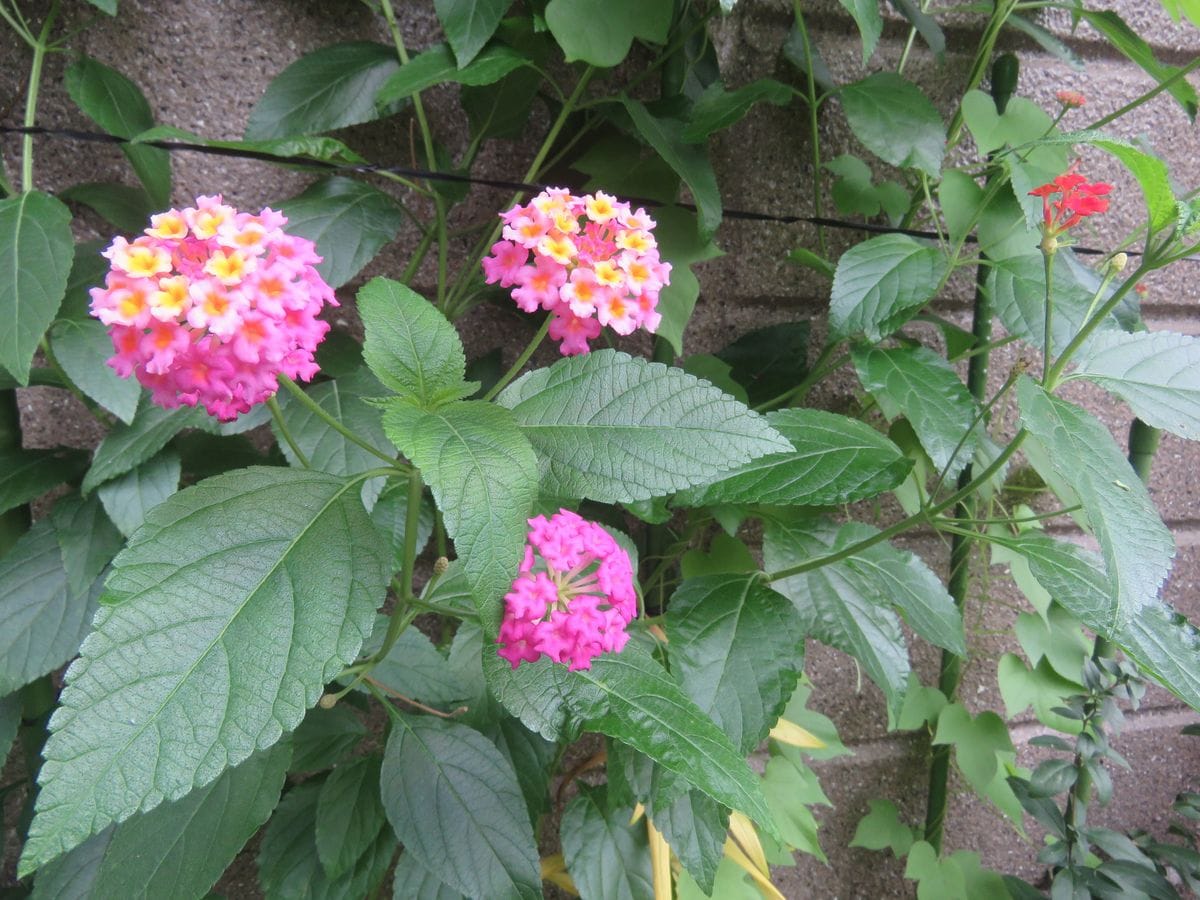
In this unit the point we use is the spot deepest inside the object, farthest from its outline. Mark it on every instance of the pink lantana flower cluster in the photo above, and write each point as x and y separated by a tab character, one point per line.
574	595
210	305
594	264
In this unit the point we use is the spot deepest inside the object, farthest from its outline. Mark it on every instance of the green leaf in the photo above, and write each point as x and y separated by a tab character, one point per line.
768	361
869	22
936	878
416	669
717	108
10	721
483	475
437	66
1081	453
600	32
737	648
680	243
36	249
1156	373
608	858
695	826
329	88
501	110
960	196
543	695
666	136
129	497
731	883
128	446
118	106
1122	37
802	256
976	742
469	24
221	667
925	25
390	516
454	802
616	428
1165	645
855	194
619	163
324	737
349	815
348	221
881	283
921	386
412	881
128	208
896	122
881	829
648	711
27	474
325	149
791	787
1022	121
410	346
834	459
82	347
532	758
107	6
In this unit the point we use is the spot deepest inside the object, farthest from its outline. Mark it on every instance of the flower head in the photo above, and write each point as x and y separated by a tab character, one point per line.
594	261
1070	99
1078	198
574	595
210	305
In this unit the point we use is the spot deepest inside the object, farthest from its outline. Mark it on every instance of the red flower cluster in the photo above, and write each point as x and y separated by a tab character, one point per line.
1080	198
1071	99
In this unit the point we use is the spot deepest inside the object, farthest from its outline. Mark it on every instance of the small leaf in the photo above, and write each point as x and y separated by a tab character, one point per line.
82	347
608	858
896	122
128	498
960	197
1052	777
976	742
329	88
768	361
27	474
349	815
600	32
881	828
128	208
925	25
881	283
128	446
437	66
869	22
469	24
717	108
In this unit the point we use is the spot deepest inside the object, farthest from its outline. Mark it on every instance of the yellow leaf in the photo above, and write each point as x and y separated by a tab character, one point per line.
744	833
638	812
788	732
660	862
734	852
554	870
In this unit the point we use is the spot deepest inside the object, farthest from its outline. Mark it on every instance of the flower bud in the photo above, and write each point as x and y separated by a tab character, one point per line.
1117	264
440	565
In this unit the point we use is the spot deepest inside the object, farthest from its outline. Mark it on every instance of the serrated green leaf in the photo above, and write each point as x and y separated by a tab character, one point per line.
70	877
348	221
128	446
221	666
127	208
329	88
27	474
412	881
1080	452
410	346
881	283
118	106
600	32
881	829
1123	38
83	348
736	648
896	121
768	361
608	858
617	429
469	24
718	108
129	497
324	737
695	827
869	22
454	802
533	759
349	815
437	66
36	249
1165	645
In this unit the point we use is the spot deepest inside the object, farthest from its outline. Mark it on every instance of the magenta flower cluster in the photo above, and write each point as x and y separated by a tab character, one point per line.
574	595
594	264
210	305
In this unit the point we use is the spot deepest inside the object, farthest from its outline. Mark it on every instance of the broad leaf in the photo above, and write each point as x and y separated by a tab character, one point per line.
695	827
881	283
896	122
1156	373
410	346
737	649
718	108
869	22
118	106
600	32
543	695
329	88
1078	451
412	881
1165	645
36	249
834	459
921	386
617	429
454	802
469	24
82	347
437	66
128	446
129	497
27	474
608	858
349	221
483	475
349	815
187	674
127	208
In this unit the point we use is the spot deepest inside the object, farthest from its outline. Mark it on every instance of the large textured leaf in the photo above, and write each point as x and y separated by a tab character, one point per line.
36	249
329	88
410	346
128	498
416	669
1157	373
238	599
483	475
83	348
921	386
348	220
118	106
469	24
349	815
455	804
128	446
600	32
881	283
1078	451
437	66
618	429
834	459
542	695
896	122
608	858
26	474
737	649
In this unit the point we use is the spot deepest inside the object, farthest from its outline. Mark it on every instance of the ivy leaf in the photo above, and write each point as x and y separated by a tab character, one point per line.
348	221
1156	373
82	347
976	741
128	446
869	21
608	858
437	66
695	826
329	88
36	249
469	24
600	32
881	283
737	648
27	474
410	346
921	386
1078	451
896	121
617	429
483	475
118	106
127	208
454	802
718	108
834	459
186	674
349	815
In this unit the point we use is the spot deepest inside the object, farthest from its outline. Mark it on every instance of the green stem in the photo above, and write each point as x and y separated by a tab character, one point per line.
1000	13
418	257
517	366
412	524
315	408
1048	324
1064	358
31	97
813	125
1175	77
286	433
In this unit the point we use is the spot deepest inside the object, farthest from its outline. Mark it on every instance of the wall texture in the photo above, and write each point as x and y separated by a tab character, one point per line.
203	65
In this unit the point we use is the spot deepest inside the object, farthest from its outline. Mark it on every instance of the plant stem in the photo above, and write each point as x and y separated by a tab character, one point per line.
1163	85
1055	374
412	524
1048	324
31	97
813	125
315	408
517	366
1000	13
286	433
